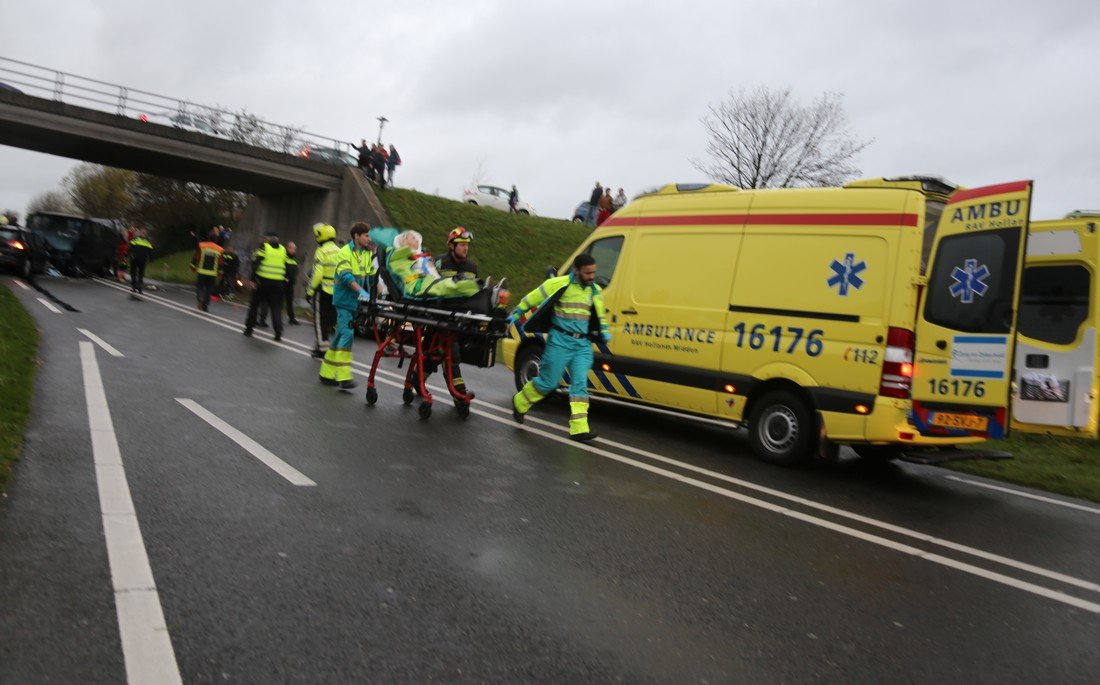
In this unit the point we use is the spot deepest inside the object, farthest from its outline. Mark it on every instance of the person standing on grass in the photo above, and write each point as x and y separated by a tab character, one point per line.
392	162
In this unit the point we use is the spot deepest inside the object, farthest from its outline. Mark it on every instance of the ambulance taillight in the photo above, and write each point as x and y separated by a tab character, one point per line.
897	371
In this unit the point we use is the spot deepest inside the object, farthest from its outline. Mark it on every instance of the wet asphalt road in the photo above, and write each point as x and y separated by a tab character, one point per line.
478	551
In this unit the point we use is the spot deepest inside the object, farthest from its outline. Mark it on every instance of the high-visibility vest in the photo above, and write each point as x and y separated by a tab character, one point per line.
209	259
271	263
324	268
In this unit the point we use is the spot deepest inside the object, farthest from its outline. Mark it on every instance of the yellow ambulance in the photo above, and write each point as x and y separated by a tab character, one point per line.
1057	359
879	315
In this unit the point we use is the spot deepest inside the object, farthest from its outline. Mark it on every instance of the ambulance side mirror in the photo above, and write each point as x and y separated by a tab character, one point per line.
551	271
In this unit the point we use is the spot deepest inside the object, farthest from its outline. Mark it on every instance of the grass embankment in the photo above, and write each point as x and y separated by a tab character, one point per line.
505	245
18	360
174	268
1066	466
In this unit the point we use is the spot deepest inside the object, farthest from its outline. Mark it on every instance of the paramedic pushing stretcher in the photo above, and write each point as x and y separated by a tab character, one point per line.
570	308
354	267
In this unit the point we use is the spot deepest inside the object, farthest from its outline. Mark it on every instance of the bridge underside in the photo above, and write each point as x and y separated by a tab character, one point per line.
85	134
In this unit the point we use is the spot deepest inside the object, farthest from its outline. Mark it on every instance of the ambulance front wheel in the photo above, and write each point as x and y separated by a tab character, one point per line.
781	428
527	365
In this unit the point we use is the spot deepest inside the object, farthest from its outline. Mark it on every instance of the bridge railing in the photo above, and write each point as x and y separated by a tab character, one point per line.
241	127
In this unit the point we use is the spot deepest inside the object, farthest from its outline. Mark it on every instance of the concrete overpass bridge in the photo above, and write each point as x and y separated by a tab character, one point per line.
62	114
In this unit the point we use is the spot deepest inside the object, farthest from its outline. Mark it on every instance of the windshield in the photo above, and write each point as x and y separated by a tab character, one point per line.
60	232
8	234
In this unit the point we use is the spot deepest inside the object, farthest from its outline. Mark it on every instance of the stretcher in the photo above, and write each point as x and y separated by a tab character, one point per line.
428	333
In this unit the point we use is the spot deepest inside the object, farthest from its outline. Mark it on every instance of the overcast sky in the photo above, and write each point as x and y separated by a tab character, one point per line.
554	95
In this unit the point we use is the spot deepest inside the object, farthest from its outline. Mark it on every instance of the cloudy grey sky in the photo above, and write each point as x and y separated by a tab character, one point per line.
553	95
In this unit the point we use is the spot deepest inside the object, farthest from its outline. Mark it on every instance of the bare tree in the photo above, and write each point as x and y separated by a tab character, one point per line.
101	191
479	172
50	201
765	139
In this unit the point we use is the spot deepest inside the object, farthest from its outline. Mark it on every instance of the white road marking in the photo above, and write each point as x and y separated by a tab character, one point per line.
1019	493
251	446
46	303
146	646
20	283
935	558
98	341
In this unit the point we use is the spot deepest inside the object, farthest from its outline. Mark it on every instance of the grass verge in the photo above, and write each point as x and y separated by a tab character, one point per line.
1066	466
173	268
505	245
18	361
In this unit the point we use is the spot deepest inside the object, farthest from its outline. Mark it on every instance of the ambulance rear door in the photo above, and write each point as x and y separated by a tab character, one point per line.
966	327
1056	349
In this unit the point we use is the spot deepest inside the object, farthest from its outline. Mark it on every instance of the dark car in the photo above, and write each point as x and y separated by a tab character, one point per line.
21	250
77	244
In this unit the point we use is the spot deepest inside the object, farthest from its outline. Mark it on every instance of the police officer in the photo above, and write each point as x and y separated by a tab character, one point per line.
268	279
206	264
354	266
319	290
288	289
140	247
570	308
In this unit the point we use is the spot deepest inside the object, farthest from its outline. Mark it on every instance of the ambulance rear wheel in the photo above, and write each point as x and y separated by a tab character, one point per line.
527	365
781	428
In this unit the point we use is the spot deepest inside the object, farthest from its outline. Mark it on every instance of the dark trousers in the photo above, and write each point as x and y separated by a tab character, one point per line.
137	275
324	319
288	291
204	288
271	292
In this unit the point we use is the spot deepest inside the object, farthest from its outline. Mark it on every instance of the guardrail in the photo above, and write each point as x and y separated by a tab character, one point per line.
242	127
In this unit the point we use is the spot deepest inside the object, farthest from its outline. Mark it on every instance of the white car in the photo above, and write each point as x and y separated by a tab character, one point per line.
495	197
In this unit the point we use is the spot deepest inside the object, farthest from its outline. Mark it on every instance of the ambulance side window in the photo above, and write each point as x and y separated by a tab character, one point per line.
606	252
1054	302
933	210
972	282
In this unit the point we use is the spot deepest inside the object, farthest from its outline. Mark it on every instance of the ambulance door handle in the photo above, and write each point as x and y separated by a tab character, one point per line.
630	312
941	344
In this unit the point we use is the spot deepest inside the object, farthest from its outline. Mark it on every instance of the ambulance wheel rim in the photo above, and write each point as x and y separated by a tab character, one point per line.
779	429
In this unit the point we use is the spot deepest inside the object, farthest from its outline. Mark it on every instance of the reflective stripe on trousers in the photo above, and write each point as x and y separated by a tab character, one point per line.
337	362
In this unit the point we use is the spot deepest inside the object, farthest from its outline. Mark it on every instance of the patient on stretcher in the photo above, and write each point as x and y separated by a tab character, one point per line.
412	270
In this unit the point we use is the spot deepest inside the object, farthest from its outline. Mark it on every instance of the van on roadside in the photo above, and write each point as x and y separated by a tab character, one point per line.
77	244
878	315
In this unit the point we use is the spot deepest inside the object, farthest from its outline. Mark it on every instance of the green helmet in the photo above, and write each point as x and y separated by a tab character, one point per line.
324	232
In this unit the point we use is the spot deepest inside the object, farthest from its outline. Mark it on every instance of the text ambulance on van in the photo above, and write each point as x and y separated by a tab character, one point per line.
809	315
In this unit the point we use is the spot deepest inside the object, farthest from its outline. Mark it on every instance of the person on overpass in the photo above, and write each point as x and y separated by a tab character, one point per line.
457	264
571	310
268	279
140	247
319	290
354	267
206	264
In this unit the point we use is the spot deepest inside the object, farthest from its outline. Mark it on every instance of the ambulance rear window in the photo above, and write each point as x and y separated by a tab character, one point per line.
1054	302
973	282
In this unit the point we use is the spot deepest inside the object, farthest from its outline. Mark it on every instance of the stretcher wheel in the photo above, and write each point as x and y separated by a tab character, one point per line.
407	396
463	409
372	395
425	410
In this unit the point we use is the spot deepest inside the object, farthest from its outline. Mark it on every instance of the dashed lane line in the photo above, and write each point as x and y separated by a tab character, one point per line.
146	646
251	446
99	341
944	561
20	283
1028	495
48	305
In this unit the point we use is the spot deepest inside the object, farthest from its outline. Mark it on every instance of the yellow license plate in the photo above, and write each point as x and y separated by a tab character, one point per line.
966	421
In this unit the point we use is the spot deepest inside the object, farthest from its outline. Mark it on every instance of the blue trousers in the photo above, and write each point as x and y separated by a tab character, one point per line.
562	354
